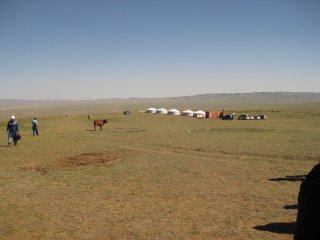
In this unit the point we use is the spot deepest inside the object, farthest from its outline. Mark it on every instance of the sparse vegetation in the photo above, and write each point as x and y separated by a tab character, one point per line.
146	176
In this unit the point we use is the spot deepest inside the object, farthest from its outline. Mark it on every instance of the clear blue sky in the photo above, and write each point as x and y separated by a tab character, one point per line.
82	49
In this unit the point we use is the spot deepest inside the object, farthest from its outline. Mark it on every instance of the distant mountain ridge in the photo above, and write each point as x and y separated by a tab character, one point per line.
272	97
258	97
257	101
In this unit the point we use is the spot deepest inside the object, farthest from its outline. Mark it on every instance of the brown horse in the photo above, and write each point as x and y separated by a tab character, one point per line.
99	123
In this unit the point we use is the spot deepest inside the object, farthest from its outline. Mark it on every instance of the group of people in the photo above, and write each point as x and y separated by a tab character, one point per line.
13	129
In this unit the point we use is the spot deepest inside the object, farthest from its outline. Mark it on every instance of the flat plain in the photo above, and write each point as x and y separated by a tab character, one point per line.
150	176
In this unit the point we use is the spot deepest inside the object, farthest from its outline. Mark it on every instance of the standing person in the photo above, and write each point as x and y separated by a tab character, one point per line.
13	130
35	130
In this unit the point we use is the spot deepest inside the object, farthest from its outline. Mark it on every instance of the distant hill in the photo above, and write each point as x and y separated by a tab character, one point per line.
255	97
210	102
258	97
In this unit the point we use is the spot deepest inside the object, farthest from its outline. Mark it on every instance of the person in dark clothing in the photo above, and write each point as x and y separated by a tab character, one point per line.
308	217
35	130
13	130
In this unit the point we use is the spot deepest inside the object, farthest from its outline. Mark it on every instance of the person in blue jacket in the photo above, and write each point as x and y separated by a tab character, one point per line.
13	130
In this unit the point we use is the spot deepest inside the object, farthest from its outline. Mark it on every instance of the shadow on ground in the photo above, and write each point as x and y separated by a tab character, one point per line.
290	178
294	206
281	228
130	130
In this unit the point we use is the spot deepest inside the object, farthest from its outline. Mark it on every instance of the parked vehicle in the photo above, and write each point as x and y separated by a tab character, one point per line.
251	117
264	117
229	116
244	117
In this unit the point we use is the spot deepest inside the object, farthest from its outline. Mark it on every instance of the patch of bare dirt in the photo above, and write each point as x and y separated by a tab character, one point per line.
90	159
84	159
42	170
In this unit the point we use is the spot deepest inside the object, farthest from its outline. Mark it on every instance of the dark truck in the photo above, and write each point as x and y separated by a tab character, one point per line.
229	116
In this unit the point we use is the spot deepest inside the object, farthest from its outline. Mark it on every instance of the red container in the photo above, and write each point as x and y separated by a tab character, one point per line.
214	115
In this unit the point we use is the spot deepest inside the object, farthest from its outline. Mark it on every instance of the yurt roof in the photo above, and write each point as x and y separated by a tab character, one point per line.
187	111
200	112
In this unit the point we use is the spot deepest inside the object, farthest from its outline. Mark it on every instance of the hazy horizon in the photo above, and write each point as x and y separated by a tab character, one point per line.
91	50
282	93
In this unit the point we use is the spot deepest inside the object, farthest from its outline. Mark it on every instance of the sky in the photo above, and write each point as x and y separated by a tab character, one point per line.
81	49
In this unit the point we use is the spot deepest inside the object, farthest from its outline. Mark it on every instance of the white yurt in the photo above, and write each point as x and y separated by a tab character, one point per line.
151	110
161	111
199	113
188	113
174	112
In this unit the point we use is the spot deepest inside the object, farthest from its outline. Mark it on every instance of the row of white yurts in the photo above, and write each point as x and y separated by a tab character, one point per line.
176	112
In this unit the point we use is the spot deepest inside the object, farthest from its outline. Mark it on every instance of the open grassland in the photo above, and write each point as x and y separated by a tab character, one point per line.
151	176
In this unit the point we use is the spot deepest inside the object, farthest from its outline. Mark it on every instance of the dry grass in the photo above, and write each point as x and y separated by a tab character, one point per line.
156	177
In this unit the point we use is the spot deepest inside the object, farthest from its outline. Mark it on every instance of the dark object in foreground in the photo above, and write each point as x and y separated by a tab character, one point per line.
99	123
308	218
17	137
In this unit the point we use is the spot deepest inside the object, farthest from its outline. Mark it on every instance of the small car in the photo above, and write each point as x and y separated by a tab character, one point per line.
264	117
244	117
